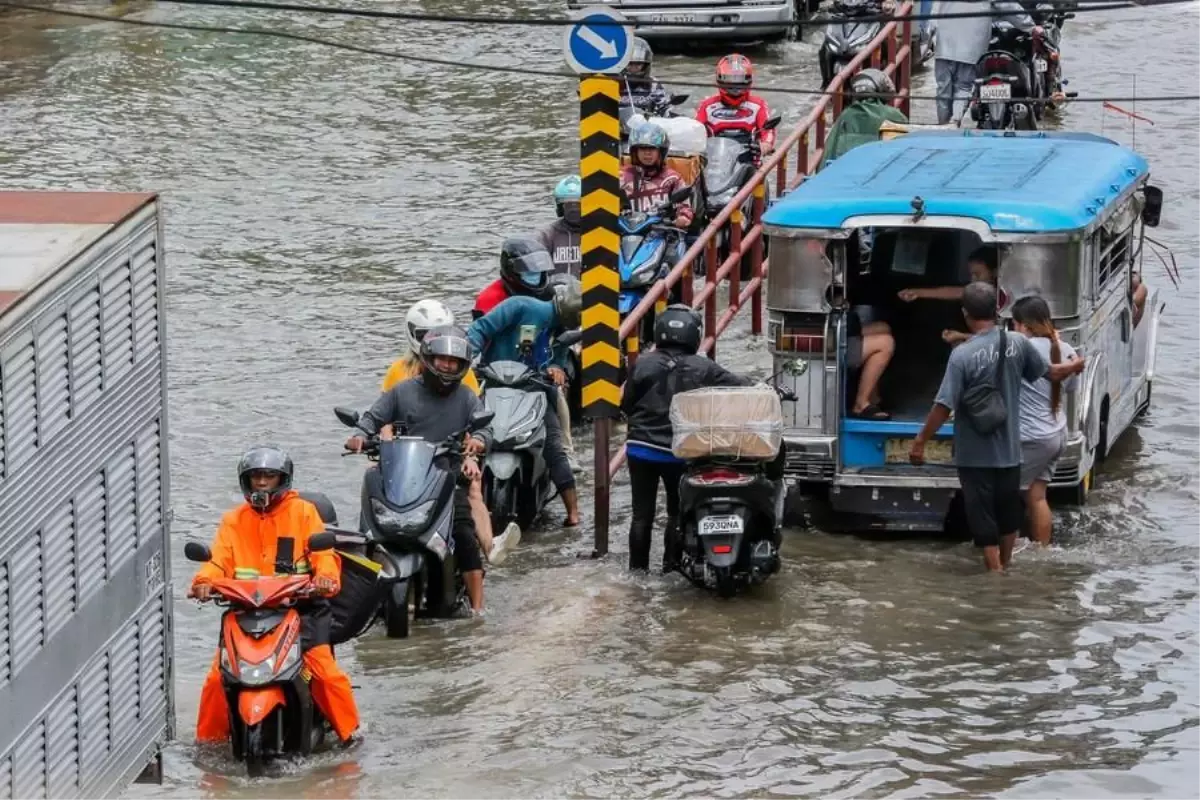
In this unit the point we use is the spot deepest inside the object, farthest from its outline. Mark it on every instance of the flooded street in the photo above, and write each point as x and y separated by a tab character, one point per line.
311	194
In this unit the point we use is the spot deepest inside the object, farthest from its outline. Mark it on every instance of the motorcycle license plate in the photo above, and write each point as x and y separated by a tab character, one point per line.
716	525
1039	65
995	91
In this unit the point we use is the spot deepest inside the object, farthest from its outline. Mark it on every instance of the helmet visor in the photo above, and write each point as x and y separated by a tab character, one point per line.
535	263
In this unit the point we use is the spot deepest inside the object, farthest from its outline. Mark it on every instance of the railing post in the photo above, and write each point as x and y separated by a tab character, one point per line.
710	302
632	346
820	143
781	170
756	258
735	246
802	166
904	71
687	290
601	485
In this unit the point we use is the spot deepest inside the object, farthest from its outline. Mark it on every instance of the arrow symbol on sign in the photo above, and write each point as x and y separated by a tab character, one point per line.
605	47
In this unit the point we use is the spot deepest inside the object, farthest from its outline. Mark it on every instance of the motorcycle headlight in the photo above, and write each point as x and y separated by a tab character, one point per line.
226	664
407	521
256	674
437	544
645	274
290	658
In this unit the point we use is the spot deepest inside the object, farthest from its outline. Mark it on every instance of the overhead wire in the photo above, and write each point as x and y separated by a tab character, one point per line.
497	68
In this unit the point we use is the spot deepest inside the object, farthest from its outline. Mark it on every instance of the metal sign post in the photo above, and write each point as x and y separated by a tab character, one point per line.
598	46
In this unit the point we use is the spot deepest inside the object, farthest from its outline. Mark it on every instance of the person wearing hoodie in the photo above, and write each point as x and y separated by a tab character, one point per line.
561	237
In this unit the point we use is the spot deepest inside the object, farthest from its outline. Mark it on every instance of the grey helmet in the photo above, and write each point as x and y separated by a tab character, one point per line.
872	84
451	341
641	61
568	302
267	459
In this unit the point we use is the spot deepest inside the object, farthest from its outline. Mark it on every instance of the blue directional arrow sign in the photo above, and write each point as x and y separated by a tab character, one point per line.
594	45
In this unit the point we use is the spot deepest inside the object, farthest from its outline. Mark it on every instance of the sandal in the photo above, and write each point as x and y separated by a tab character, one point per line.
872	412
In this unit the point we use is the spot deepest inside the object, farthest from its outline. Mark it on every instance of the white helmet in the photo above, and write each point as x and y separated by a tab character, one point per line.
425	314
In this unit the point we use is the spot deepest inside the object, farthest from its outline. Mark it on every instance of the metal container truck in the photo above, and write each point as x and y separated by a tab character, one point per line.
85	604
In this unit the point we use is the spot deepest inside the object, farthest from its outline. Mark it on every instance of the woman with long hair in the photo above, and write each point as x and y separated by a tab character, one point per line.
1043	420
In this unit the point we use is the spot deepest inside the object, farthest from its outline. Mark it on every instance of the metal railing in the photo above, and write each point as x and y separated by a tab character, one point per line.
892	44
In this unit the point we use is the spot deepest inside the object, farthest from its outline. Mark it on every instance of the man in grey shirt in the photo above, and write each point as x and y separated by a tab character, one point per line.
989	465
962	41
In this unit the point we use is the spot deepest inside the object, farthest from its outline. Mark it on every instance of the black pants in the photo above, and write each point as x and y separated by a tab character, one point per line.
644	477
553	450
466	546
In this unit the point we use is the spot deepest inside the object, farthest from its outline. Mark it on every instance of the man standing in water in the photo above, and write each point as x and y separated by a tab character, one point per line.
982	386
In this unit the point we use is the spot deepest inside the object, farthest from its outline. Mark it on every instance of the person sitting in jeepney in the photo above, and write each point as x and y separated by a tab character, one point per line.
871	92
869	349
1138	292
984	266
648	181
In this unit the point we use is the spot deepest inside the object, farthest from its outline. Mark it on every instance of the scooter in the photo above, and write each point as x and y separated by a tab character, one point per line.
732	158
730	516
650	247
1003	97
516	479
271	708
845	38
408	516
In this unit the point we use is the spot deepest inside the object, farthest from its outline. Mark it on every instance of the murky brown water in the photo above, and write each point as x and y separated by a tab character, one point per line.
312	194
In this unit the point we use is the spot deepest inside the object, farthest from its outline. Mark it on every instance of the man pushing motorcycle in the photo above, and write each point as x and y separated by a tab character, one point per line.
272	528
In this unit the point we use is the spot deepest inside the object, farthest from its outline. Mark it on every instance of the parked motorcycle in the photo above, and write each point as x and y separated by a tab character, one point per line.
1010	81
730	516
732	158
857	24
271	708
516	478
650	246
408	516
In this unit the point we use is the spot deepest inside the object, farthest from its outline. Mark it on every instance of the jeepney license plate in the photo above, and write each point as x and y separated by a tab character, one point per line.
995	91
1039	65
673	18
726	524
940	453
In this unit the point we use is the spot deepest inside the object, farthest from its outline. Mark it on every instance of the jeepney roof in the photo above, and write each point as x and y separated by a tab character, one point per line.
1026	183
40	232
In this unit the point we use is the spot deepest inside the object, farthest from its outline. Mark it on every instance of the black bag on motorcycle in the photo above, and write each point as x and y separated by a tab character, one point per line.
354	606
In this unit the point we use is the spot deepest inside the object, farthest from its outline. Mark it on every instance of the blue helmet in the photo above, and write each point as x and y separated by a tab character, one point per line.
568	190
649	134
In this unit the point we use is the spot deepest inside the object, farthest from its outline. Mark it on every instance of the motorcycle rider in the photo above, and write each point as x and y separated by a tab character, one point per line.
523	329
734	107
673	366
434	405
274	525
525	269
561	237
647	181
424	316
872	91
638	87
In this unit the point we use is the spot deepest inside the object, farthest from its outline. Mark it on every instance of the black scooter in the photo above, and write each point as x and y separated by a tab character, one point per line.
732	158
408	517
730	516
857	25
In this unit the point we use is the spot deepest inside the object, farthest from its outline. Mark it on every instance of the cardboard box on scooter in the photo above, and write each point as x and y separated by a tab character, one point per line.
744	422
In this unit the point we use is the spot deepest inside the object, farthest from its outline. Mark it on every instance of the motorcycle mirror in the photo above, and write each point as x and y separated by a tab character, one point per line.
796	367
679	195
322	541
678	99
1153	208
772	122
481	419
570	337
1069	15
194	551
346	416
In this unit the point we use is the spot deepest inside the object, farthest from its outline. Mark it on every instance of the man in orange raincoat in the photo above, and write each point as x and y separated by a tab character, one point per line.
249	538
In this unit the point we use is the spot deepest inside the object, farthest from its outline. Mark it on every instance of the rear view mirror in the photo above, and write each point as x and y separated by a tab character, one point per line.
1152	211
321	541
346	416
679	195
772	122
480	420
194	551
796	367
678	99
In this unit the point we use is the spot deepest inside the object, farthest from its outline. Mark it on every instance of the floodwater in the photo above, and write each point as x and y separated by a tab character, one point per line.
311	194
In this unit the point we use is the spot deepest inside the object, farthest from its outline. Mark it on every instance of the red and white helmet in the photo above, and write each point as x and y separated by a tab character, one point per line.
735	76
422	317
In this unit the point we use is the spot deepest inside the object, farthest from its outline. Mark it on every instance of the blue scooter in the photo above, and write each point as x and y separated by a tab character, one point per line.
650	247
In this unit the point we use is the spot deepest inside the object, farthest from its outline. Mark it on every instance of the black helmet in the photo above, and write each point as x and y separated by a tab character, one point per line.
678	327
267	459
447	340
872	84
641	60
525	266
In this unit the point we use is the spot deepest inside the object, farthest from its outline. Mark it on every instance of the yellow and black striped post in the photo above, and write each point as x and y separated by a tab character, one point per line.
600	169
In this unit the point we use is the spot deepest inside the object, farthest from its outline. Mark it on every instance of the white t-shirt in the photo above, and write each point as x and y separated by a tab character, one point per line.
1037	422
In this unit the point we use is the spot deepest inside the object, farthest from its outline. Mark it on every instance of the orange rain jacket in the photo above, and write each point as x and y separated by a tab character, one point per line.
248	539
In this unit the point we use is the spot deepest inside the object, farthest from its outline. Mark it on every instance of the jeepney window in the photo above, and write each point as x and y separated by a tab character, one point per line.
802	272
1115	246
1050	270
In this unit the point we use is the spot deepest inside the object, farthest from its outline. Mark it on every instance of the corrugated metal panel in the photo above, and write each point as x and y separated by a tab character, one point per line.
94	741
145	297
61	556
29	764
87	374
90	512
122	509
53	377
2	462
149	484
6	776
124	675
62	740
20	393
5	639
28	607
116	292
153	673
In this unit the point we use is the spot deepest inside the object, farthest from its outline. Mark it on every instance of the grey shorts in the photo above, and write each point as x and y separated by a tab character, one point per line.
1038	457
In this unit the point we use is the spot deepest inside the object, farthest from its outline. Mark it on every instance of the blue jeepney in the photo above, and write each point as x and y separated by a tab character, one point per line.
1066	215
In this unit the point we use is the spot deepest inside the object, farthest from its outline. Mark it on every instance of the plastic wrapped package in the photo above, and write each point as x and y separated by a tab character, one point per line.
688	136
730	422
